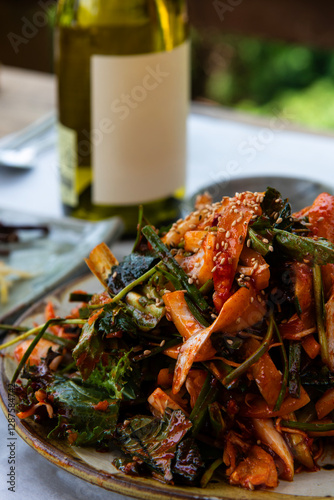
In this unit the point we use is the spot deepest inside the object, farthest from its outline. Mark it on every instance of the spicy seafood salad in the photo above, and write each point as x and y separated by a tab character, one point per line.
209	351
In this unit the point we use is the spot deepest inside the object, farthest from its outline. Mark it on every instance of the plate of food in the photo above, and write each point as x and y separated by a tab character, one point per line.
201	365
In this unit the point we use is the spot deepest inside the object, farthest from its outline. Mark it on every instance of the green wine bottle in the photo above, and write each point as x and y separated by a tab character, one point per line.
123	85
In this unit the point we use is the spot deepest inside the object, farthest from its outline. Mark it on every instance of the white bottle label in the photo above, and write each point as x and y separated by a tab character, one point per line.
139	108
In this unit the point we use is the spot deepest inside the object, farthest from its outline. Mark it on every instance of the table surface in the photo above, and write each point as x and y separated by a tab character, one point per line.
222	146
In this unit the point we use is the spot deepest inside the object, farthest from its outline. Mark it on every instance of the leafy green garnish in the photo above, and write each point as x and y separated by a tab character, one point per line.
113	377
132	267
274	207
316	251
115	318
294	368
188	464
87	352
154	440
257	242
76	405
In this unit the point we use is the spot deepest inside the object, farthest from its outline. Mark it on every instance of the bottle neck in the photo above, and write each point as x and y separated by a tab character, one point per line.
85	13
167	18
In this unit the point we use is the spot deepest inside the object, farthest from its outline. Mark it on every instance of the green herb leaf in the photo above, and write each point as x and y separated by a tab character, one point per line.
320	313
76	405
319	251
114	376
115	318
294	368
87	352
207	396
273	204
132	267
154	440
257	242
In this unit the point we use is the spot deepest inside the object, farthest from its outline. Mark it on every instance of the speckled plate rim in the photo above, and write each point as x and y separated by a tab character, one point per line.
306	188
64	457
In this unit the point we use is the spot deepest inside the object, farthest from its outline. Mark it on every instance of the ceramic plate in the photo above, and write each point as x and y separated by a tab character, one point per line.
97	468
49	259
300	192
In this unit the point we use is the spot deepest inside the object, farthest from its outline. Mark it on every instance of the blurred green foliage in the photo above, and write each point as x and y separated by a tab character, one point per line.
262	76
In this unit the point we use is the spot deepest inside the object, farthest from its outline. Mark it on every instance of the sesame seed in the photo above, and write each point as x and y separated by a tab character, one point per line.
247	278
228	234
213	316
279	220
239	219
197	264
256	265
252	299
147	352
162	343
213	269
276	214
196	250
236	211
271	248
233	223
249	242
229	341
126	422
114	275
321	219
259	299
223	260
238	320
190	281
226	245
265	240
217	246
192	226
277	200
209	247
